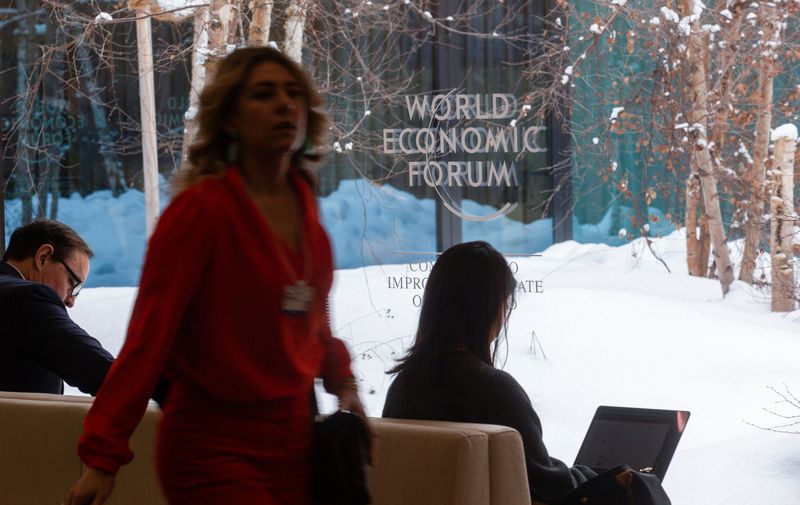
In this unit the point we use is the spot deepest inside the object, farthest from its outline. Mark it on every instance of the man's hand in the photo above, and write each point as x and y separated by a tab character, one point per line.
92	488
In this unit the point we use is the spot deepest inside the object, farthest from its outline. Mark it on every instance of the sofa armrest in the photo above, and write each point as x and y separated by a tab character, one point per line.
39	460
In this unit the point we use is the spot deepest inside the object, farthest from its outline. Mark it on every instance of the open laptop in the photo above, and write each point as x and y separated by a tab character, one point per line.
639	438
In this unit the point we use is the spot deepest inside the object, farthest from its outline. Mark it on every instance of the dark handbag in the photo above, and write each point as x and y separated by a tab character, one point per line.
612	487
340	454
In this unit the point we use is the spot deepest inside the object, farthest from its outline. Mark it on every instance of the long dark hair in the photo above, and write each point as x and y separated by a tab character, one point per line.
469	287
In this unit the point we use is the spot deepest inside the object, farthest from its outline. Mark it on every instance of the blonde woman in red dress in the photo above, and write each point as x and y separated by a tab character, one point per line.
231	306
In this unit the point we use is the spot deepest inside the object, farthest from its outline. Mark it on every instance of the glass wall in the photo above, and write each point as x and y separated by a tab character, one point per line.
451	152
70	126
434	140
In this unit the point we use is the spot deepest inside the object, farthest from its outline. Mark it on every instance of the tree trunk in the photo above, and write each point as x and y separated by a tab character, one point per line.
705	241
55	194
41	195
212	26
693	250
144	42
200	47
782	217
294	27
220	17
755	209
258	35
701	157
24	106
113	167
53	84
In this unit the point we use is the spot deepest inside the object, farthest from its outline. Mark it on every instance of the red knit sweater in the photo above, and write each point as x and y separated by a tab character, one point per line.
209	312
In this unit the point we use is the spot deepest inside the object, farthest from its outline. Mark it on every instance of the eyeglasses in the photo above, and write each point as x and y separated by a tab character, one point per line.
77	283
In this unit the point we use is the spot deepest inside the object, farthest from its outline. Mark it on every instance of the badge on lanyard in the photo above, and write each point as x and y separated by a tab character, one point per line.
297	298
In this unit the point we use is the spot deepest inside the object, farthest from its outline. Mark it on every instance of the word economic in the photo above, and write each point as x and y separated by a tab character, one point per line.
434	140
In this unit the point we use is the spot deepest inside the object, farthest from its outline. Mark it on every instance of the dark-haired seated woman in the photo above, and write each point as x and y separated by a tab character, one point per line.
449	374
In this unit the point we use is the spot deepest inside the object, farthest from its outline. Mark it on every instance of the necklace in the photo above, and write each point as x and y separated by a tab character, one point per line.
298	296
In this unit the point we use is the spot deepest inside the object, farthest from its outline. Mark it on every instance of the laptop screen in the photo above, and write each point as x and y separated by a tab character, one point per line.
639	438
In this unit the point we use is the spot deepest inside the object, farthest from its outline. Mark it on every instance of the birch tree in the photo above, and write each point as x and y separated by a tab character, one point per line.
212	29
701	164
200	49
294	28
220	21
116	179
782	219
753	227
24	105
144	43
689	87
260	22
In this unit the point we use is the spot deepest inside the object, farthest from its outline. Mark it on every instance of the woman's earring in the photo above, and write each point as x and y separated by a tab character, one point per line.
232	152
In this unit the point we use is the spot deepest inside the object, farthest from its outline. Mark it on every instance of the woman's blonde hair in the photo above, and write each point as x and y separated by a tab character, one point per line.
208	154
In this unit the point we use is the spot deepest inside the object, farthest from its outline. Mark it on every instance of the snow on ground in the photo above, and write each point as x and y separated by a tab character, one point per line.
617	329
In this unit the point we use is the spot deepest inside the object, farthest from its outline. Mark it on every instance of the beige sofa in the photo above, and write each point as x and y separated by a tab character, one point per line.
418	462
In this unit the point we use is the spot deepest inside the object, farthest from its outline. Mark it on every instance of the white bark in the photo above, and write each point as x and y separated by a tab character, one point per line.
220	17
258	34
294	27
144	39
755	209
212	27
200	50
782	219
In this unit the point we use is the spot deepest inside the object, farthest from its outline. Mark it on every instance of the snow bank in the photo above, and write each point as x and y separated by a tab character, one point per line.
368	224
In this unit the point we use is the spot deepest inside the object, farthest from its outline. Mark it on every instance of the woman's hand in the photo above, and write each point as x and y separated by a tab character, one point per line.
350	401
92	488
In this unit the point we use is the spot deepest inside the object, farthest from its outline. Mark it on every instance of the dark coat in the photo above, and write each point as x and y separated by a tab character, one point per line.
40	346
469	390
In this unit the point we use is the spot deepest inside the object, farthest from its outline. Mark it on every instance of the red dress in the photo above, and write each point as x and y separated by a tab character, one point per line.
236	423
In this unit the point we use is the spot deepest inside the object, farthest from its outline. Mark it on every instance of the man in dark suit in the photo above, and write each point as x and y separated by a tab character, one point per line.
42	272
